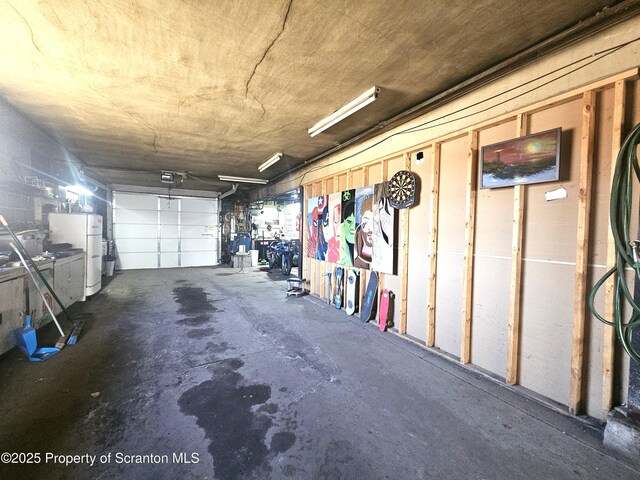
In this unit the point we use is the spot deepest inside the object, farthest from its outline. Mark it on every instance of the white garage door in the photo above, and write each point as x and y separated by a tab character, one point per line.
153	231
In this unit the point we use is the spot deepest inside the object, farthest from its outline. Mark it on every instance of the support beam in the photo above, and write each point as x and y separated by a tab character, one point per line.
363	272
306	273
609	335
402	326
469	237
582	249
513	335
323	265
434	200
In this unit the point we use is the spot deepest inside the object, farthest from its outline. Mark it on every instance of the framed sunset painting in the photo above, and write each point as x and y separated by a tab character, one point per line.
531	159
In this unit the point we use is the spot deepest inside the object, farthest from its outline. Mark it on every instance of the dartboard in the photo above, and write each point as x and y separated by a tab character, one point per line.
402	189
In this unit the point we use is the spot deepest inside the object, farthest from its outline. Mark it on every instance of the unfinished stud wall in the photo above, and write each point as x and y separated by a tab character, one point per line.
419	247
451	227
493	241
499	278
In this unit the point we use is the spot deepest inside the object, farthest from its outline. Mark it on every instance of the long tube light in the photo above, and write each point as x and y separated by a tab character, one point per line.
226	178
343	112
275	158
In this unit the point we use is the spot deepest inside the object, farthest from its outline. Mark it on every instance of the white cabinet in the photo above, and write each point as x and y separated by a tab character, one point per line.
81	230
12	300
68	279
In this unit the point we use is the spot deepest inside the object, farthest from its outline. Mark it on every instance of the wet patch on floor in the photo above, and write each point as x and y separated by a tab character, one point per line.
193	301
269	408
223	408
201	333
282	441
218	347
194	321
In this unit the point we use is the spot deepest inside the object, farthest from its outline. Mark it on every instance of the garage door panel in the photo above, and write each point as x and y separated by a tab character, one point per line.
168	260
140	217
134	231
169	218
132	261
134	201
198	259
198	245
190	231
136	245
195	218
170	231
200	205
169	245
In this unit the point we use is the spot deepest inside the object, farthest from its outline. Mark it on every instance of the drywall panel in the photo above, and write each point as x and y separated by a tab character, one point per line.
490	313
551	227
451	221
594	338
419	245
548	274
492	266
546	328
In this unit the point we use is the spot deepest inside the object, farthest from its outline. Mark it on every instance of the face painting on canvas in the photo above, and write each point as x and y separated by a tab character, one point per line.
331	228
364	227
347	227
312	227
384	217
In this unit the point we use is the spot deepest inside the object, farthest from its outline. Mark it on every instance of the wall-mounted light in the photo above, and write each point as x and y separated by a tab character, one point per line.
350	108
227	178
275	158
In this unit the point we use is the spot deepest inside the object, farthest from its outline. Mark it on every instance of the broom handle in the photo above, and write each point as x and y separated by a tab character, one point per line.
55	320
44	280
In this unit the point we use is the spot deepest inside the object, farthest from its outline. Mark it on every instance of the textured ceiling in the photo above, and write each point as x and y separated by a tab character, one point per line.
216	87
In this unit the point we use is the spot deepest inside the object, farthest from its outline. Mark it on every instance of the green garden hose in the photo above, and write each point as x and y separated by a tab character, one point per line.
627	251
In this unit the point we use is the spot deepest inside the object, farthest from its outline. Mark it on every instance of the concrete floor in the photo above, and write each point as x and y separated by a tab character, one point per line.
222	367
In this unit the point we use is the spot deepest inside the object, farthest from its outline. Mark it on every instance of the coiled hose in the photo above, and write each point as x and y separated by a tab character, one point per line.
627	251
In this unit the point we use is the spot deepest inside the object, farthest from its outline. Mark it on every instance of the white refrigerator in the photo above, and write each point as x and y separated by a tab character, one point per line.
81	230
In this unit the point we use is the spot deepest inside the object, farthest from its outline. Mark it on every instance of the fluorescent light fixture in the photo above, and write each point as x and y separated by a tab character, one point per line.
352	107
79	190
226	178
275	158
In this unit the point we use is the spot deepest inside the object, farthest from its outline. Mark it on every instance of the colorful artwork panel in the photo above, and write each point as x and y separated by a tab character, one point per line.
312	227
364	227
322	219
384	229
347	227
332	227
